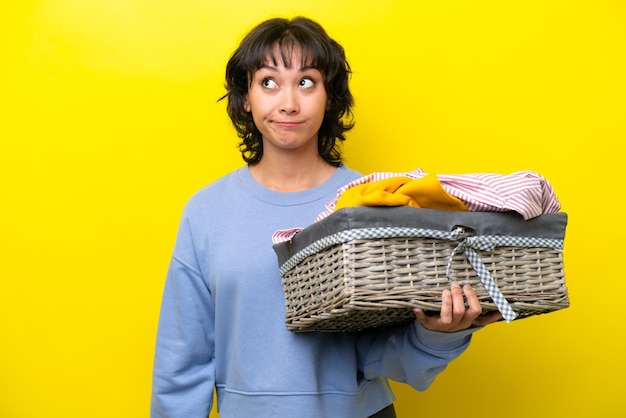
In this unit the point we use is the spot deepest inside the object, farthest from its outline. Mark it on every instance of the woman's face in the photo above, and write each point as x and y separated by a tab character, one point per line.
287	105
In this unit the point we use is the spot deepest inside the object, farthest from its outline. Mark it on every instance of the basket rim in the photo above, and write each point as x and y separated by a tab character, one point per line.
409	221
473	241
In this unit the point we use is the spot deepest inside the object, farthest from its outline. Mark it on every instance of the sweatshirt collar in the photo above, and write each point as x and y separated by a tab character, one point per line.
326	190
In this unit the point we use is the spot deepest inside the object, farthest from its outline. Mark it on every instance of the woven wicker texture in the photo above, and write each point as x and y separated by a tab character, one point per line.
368	283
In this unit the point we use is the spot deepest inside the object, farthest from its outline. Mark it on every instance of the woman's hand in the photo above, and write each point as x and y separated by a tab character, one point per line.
454	316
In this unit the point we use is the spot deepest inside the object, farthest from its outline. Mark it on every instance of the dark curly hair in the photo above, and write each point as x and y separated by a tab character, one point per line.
318	51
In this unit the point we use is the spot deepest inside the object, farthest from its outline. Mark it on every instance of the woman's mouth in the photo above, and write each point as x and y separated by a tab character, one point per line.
287	124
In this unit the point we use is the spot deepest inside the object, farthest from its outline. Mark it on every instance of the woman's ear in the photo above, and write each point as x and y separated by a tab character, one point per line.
246	104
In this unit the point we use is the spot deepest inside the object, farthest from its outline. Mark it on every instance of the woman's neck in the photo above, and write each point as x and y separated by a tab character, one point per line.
292	175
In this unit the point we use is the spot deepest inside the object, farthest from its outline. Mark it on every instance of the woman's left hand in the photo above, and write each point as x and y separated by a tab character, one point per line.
454	316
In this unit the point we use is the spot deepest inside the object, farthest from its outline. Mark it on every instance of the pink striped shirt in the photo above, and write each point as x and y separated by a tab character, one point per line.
524	192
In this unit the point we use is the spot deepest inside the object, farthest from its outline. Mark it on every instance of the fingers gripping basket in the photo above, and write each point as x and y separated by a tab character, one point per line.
367	267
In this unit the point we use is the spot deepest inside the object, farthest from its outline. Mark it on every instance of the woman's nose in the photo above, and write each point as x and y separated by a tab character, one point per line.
289	101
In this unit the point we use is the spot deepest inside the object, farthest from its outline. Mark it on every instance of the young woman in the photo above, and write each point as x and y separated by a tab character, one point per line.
222	323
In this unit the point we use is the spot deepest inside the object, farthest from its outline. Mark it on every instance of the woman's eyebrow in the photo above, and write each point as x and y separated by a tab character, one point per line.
268	67
307	68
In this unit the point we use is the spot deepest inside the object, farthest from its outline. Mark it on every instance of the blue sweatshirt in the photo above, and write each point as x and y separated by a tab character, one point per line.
222	321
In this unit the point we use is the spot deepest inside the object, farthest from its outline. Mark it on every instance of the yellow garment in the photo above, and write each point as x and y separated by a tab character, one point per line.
425	192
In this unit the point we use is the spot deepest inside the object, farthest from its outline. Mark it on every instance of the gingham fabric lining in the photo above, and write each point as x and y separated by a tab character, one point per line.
466	243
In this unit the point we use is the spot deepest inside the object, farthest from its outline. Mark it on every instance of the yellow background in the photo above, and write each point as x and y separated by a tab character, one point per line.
109	121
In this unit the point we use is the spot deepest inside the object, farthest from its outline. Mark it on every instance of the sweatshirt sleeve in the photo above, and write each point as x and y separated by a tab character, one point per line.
410	354
183	374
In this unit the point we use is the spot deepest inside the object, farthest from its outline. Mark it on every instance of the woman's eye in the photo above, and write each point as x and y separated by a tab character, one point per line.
268	83
307	83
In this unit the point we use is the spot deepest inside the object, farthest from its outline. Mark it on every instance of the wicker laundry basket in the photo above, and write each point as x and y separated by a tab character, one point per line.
367	267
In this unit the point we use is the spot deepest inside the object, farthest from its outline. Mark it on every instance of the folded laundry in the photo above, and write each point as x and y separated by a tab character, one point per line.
524	192
425	192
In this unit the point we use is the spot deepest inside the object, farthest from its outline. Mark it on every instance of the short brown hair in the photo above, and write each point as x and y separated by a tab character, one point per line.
319	51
